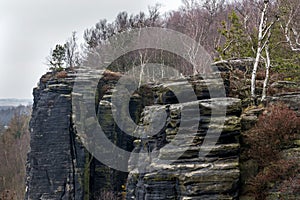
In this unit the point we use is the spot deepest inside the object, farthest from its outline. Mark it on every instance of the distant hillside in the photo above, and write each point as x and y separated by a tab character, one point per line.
8	107
8	103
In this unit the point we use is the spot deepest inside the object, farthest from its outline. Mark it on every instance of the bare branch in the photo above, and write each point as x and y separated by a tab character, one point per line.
288	27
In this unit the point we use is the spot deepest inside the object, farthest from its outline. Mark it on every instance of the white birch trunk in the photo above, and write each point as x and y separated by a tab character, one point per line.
266	81
259	50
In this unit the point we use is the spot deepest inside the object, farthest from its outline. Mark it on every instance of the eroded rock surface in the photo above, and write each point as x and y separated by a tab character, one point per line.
214	176
59	166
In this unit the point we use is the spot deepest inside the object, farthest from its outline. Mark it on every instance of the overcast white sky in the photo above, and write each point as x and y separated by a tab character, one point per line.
30	28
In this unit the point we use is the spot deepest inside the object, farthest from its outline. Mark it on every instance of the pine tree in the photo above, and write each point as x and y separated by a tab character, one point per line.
237	44
58	57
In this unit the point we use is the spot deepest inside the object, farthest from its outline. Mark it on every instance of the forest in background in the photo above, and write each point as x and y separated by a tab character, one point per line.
267	31
14	143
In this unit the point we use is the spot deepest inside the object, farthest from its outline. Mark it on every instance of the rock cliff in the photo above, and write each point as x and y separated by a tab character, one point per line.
60	167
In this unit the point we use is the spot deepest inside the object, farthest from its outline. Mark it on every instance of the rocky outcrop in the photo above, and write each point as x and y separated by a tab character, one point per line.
57	158
214	176
60	167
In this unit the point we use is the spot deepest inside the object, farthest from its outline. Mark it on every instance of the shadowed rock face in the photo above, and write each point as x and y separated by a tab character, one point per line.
56	159
59	167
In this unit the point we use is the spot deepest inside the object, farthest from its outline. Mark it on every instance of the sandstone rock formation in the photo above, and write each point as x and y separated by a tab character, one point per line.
60	167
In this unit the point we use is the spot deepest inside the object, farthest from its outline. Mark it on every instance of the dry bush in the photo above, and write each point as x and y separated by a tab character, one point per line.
109	195
291	185
275	131
61	74
110	75
270	175
8	195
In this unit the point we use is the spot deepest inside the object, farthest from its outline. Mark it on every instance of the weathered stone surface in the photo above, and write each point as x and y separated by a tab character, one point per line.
291	99
59	167
215	176
56	160
285	84
250	117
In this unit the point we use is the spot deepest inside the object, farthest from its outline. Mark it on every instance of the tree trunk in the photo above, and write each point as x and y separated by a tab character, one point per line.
266	81
259	50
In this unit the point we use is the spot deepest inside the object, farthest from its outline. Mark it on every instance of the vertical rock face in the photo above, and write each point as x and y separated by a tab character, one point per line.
56	159
59	167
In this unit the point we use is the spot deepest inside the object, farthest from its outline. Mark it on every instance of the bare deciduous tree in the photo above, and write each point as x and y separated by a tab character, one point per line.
14	144
72	56
264	31
290	22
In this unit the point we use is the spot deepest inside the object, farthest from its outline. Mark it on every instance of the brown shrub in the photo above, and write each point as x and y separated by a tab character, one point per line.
275	130
276	171
109	195
8	195
110	75
61	74
292	185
